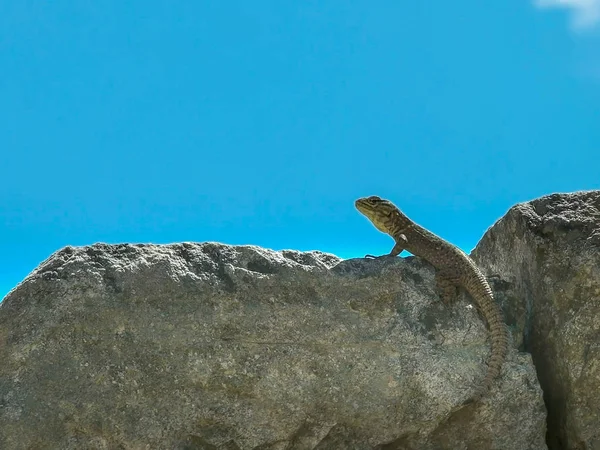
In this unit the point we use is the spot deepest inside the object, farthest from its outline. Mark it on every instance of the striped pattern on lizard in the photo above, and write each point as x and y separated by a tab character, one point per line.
454	269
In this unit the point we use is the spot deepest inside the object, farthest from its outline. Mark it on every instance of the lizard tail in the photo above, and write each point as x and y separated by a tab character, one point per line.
482	294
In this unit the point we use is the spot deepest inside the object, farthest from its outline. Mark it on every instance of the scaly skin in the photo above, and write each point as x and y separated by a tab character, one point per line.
454	269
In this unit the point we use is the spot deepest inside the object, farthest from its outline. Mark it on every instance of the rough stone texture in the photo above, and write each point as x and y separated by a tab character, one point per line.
209	346
547	252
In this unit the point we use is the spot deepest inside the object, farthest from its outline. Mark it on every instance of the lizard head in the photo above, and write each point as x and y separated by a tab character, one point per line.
382	213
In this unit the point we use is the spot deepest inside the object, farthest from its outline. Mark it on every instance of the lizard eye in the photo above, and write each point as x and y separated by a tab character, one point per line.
373	199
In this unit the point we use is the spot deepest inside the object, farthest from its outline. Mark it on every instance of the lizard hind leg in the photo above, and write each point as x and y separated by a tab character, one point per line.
447	287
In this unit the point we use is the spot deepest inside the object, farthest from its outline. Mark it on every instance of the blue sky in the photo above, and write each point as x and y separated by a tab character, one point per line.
261	122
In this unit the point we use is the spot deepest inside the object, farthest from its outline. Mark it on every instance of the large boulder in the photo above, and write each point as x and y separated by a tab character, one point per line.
209	346
547	253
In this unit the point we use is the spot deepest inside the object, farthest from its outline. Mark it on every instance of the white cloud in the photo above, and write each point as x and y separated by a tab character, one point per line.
586	13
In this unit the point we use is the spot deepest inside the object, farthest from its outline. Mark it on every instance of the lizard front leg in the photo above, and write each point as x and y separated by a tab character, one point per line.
399	246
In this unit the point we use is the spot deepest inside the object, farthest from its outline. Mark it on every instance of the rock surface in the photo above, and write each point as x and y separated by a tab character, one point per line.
209	346
548	252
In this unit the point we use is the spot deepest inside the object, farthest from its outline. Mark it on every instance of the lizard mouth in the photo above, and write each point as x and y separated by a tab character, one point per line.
363	206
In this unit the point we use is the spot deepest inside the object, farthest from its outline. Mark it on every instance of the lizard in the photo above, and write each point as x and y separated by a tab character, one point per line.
454	269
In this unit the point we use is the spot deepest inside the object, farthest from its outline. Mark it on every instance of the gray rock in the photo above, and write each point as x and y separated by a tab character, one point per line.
210	346
547	255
